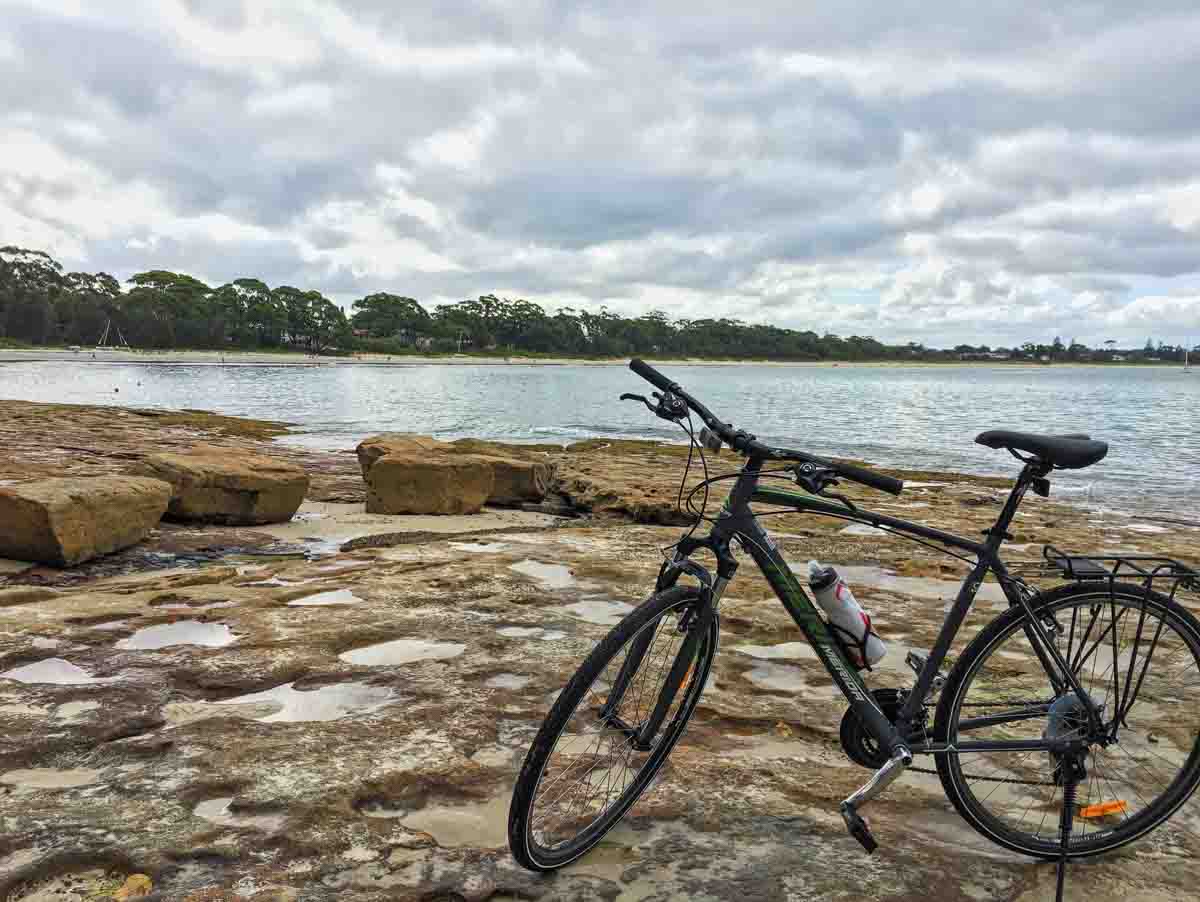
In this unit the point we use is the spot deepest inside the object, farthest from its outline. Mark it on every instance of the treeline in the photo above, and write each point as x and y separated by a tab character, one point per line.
40	304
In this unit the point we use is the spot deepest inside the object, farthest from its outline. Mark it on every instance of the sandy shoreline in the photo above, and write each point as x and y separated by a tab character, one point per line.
255	358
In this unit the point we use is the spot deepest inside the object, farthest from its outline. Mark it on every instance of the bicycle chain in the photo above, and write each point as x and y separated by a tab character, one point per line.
931	770
1010	780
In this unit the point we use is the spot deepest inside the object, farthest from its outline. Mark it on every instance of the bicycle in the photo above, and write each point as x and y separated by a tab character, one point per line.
1043	696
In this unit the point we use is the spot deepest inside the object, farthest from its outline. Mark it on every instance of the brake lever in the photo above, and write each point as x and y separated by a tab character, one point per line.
816	481
632	397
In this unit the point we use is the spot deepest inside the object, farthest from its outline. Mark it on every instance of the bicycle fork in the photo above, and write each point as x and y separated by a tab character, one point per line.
694	627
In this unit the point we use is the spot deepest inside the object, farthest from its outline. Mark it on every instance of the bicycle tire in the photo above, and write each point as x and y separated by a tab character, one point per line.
975	656
525	848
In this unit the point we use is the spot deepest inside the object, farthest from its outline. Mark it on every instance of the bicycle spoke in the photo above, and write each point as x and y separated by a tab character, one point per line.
1143	675
596	760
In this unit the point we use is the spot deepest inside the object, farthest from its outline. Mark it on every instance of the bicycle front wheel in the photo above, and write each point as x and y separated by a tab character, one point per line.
589	762
1136	653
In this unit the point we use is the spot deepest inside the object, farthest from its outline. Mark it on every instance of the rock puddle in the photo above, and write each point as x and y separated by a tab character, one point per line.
478	547
333	702
216	811
57	671
479	825
552	576
786	678
402	651
530	632
324	599
602	613
512	681
182	632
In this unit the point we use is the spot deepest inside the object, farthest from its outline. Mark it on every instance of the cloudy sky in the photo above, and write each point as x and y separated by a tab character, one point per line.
988	172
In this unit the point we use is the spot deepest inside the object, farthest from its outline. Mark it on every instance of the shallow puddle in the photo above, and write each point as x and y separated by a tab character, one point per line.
785	678
530	632
552	576
508	681
402	651
50	778
184	606
323	599
483	825
182	632
53	670
786	651
331	702
861	529
216	811
478	547
604	613
519	632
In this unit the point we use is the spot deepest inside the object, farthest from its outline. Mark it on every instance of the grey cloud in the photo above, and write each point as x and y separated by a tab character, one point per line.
940	166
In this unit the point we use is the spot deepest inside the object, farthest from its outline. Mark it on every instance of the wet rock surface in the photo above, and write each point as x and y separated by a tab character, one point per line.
285	765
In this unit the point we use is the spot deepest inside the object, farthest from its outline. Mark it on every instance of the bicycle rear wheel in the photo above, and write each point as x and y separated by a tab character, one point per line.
584	770
1136	653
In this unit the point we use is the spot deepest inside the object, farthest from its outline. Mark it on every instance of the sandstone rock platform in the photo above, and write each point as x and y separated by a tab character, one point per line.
291	764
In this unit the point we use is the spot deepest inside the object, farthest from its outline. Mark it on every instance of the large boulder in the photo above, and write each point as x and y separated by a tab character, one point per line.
518	475
220	485
371	449
71	520
422	483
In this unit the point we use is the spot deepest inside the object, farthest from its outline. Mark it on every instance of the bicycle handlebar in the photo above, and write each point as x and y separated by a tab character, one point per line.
747	444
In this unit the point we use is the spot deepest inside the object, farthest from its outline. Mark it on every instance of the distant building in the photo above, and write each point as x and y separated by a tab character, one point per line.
985	355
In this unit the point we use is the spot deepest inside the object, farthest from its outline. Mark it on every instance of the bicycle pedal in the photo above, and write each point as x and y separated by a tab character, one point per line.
858	828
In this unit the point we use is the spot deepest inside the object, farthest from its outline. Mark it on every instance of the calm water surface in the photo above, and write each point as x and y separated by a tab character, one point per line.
902	416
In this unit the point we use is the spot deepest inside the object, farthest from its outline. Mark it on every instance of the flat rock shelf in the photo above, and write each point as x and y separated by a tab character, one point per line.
253	713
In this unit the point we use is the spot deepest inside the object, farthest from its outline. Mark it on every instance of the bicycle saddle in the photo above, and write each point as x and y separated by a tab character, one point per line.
1067	452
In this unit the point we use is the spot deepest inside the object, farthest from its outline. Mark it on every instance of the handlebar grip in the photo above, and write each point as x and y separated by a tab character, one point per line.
651	375
870	477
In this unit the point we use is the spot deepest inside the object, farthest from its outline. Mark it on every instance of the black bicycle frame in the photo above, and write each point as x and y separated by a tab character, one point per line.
738	522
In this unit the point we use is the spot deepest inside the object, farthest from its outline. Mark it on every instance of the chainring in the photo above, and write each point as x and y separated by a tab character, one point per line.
859	745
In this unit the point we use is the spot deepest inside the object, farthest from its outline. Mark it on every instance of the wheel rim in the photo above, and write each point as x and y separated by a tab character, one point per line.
593	774
1131	784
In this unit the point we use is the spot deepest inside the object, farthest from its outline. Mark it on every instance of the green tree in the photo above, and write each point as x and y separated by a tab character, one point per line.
384	315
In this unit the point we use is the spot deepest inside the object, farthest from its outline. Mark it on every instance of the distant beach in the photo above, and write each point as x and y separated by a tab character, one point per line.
259	358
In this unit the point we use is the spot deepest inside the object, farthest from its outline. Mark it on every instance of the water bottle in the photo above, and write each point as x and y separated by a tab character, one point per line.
849	622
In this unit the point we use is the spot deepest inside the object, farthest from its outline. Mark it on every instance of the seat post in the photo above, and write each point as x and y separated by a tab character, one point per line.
1033	470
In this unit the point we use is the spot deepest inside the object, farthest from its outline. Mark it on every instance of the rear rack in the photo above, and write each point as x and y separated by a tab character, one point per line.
1149	570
